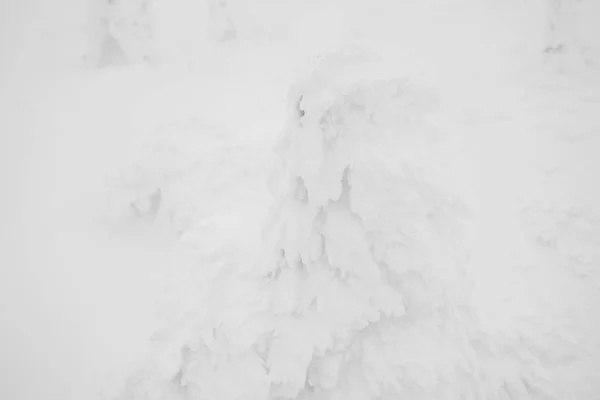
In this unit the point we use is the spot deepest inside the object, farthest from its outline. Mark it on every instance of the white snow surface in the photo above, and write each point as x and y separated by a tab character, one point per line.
104	291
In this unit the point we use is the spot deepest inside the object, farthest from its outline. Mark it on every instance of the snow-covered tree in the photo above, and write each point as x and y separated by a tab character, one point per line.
169	30
290	322
366	245
364	290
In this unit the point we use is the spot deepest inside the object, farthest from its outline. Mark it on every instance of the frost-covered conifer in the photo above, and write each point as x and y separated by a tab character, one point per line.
363	290
168	30
364	280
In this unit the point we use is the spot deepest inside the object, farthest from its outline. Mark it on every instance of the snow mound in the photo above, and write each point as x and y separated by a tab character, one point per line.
186	175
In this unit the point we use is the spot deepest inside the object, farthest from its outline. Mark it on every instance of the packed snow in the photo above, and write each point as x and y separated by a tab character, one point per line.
248	199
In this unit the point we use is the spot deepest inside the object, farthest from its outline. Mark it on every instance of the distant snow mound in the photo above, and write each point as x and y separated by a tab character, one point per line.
165	156
188	177
132	24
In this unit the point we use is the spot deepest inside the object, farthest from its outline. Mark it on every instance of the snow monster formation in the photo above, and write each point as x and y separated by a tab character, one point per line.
363	292
364	284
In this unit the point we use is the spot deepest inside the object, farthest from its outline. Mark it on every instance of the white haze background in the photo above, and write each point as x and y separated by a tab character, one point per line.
101	106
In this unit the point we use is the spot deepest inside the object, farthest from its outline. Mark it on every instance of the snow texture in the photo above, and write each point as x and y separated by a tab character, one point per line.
249	199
